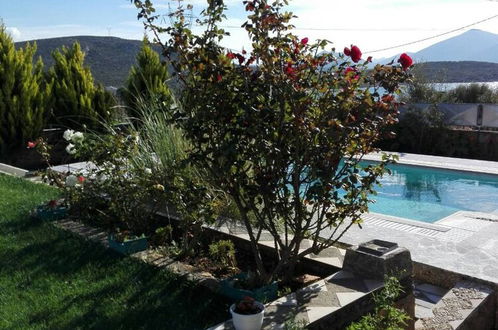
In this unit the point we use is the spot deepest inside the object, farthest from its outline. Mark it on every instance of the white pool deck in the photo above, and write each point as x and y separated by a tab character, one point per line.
458	164
464	242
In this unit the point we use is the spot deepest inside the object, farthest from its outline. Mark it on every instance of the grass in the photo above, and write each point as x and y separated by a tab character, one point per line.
51	279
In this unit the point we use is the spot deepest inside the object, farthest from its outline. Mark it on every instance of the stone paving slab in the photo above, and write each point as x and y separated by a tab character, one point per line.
12	170
76	168
315	301
469	252
426	298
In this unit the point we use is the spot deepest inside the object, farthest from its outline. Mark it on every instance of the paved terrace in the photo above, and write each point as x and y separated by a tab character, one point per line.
464	242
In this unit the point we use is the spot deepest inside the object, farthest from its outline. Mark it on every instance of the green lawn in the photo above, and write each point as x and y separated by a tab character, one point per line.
50	279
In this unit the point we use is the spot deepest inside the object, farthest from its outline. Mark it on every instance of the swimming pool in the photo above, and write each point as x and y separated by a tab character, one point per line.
430	194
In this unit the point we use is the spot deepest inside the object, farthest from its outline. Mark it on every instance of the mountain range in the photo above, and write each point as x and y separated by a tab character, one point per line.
469	57
473	45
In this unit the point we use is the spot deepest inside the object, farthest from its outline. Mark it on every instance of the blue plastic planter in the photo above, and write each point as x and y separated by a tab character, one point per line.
129	246
50	213
264	294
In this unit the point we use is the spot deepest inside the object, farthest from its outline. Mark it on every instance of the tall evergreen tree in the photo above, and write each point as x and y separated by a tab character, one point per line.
22	94
76	101
147	79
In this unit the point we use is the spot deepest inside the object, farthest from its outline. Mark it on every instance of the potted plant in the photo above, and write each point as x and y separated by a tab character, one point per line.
126	243
54	209
245	285
247	314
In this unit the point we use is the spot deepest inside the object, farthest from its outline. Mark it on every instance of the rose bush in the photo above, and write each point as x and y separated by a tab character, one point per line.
282	128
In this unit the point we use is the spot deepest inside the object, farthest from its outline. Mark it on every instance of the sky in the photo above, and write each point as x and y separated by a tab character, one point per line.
370	24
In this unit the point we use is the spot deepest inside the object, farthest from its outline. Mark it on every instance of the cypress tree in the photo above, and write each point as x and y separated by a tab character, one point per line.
76	101
147	79
23	94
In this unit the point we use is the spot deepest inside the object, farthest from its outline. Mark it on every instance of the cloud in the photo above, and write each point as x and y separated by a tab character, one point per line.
14	33
128	6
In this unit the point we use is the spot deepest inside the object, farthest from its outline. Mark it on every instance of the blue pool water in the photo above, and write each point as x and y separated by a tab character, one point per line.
429	194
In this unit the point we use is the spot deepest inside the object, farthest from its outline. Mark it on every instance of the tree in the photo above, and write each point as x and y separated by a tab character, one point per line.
76	101
421	89
22	94
281	129
147	79
473	93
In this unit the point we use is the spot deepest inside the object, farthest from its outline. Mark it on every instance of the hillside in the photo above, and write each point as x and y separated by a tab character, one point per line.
465	71
109	58
473	45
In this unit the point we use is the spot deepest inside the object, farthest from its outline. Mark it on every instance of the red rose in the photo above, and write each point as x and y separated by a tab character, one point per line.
347	51
31	144
405	61
355	54
350	69
219	77
369	59
240	58
289	69
250	6
81	179
304	41
231	55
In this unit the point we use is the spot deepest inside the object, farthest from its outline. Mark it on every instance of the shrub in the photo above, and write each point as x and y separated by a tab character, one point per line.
163	148
22	94
76	102
422	132
147	80
223	253
472	93
116	194
385	316
271	127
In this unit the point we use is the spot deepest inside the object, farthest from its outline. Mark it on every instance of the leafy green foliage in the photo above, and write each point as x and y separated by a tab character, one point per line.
76	102
223	253
473	93
385	316
116	194
147	79
22	94
272	126
163	149
422	132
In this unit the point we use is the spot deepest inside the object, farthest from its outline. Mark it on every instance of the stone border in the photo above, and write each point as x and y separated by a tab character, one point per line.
476	166
12	170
